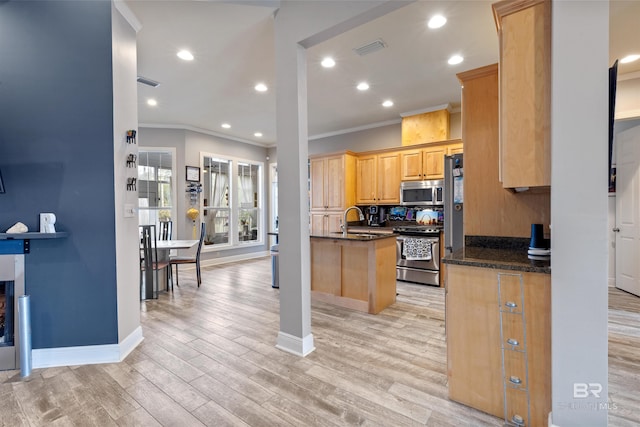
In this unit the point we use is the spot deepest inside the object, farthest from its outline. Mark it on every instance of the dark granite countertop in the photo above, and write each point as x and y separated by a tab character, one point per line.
362	237
499	255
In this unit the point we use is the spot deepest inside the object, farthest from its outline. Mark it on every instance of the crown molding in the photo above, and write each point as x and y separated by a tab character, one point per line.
427	110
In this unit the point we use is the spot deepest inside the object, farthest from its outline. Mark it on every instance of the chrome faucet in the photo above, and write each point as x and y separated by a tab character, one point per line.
344	219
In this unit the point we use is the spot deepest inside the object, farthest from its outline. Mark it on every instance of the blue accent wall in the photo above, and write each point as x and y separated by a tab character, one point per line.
57	155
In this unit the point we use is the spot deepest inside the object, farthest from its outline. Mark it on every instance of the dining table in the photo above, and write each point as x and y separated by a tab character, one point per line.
164	247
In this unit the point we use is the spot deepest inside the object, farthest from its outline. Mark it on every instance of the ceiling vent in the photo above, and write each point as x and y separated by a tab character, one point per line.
371	47
148	82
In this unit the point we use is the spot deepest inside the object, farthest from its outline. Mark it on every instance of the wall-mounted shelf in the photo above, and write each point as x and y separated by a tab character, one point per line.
33	235
20	243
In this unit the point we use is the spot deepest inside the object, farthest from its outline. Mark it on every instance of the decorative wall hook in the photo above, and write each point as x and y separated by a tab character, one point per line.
131	184
131	136
131	160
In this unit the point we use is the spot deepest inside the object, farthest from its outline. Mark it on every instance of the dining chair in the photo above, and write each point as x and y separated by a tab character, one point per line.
165	229
149	264
177	260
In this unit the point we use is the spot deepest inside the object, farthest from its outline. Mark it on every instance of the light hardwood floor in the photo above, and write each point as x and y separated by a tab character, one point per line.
208	358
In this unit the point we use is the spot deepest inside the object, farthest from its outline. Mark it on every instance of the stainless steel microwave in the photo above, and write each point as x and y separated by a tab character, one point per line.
422	193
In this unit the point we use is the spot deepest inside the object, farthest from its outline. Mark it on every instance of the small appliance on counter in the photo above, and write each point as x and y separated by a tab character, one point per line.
376	216
538	245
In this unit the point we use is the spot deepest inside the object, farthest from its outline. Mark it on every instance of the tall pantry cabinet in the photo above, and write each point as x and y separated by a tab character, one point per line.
331	191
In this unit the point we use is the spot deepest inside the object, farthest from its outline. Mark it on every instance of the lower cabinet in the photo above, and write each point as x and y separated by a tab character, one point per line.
499	342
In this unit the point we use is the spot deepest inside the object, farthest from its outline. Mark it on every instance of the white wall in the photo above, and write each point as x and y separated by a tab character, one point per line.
579	172
364	140
125	117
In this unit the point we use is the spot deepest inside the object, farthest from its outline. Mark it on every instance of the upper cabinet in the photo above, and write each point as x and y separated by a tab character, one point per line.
332	182
524	32
426	163
378	178
426	127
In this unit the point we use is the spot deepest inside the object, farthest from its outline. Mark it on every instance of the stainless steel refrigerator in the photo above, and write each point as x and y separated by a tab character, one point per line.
453	203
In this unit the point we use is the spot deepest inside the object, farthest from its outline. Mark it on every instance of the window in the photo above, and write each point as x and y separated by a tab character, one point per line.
215	191
248	211
155	186
232	201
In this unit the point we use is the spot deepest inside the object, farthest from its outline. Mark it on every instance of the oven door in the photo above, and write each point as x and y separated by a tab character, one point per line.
422	271
424	264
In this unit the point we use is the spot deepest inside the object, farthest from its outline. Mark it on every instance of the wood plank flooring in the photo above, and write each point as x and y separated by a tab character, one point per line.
209	358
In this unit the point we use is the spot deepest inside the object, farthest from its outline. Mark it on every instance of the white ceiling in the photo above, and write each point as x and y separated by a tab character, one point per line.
233	49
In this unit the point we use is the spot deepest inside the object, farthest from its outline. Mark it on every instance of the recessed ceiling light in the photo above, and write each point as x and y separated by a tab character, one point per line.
258	134
363	86
455	59
226	125
328	62
186	55
437	21
387	103
152	102
261	87
629	58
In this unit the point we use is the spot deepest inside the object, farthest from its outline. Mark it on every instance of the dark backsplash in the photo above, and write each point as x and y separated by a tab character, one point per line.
496	242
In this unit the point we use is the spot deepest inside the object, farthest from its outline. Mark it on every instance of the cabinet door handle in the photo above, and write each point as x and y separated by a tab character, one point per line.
511	304
518	420
515	380
512	341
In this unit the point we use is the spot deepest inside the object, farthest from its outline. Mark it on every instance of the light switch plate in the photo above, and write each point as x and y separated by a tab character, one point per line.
129	211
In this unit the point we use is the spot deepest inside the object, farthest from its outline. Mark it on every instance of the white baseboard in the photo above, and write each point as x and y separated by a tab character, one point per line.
612	282
551	424
295	345
86	355
231	258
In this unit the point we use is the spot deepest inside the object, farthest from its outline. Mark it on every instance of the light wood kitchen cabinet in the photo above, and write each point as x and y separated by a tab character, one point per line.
426	127
434	162
378	178
324	223
332	190
499	355
524	32
455	148
426	163
489	208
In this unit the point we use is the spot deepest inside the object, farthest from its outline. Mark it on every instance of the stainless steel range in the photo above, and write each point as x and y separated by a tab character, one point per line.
418	254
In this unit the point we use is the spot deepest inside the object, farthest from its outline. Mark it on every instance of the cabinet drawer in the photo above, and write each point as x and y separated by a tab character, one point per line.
515	369
510	292
516	407
513	337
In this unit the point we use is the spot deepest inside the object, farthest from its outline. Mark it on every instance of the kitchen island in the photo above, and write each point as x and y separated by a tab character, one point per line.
356	271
